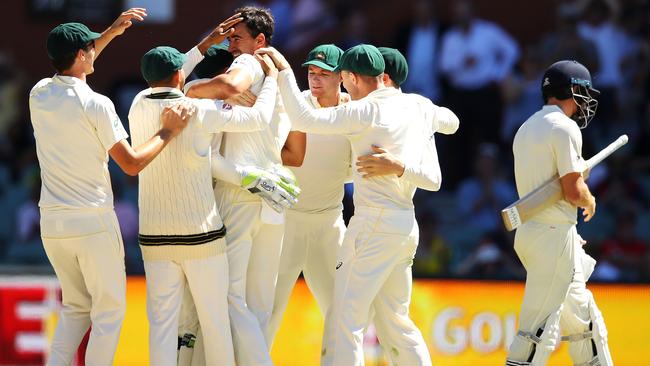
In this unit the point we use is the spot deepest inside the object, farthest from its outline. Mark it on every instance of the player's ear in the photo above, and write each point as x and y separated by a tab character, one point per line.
260	40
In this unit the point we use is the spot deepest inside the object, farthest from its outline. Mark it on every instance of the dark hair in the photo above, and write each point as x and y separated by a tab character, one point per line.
65	62
258	20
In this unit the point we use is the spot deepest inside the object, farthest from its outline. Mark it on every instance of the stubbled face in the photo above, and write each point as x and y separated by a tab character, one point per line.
349	82
242	42
322	82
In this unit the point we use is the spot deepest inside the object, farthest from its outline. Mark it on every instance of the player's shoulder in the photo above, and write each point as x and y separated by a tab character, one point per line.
246	61
40	85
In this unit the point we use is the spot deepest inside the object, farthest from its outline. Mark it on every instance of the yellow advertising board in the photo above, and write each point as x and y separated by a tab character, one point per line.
463	322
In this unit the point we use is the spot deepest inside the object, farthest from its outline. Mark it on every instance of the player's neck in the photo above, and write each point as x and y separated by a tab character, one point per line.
74	73
329	100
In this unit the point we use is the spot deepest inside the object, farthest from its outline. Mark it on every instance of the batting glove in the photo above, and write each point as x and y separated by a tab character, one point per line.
280	193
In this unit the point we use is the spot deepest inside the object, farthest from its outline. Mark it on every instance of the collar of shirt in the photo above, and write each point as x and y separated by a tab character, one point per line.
552	108
343	98
69	80
162	90
385	92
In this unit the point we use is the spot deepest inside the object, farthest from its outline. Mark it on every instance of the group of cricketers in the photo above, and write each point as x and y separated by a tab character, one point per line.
241	179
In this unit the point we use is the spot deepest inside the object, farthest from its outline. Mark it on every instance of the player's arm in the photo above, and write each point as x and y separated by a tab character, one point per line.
576	192
223	86
218	35
347	119
133	160
565	141
225	118
293	151
445	121
425	175
118	27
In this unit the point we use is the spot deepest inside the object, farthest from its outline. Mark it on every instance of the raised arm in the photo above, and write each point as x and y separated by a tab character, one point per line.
124	21
348	119
218	35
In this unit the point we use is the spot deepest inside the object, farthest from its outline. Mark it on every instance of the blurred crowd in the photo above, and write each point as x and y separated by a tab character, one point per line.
467	63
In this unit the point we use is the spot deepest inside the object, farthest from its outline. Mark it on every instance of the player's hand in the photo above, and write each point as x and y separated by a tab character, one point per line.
278	59
267	65
175	118
245	99
125	20
220	33
590	210
276	191
380	163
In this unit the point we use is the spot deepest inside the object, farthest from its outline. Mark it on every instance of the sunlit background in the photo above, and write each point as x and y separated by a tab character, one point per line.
469	281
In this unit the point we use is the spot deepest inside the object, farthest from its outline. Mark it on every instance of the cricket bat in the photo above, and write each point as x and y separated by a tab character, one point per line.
550	192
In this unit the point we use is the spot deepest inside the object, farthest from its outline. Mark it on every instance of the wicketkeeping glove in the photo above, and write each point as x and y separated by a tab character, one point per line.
280	192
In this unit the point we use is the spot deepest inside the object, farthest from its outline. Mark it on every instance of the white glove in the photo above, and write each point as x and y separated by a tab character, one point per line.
280	192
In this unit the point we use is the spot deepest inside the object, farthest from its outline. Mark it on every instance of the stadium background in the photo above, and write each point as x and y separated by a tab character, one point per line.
469	280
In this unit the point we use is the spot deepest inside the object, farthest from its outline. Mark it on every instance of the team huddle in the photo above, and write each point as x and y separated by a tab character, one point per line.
241	181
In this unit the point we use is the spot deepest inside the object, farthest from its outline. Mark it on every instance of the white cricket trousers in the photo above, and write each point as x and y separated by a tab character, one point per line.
253	249
374	270
85	248
207	279
310	245
555	295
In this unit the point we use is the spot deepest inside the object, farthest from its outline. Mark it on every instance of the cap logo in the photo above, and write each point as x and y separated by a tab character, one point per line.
320	56
546	82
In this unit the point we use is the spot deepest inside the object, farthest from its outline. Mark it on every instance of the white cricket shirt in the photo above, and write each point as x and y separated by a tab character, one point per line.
386	118
324	170
260	148
74	128
548	144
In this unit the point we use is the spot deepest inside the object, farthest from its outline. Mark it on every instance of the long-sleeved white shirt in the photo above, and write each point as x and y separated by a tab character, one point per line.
493	50
386	118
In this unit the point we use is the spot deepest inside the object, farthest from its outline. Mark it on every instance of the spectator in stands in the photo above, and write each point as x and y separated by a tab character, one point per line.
433	254
522	94
476	56
565	42
481	197
420	42
625	250
27	247
487	261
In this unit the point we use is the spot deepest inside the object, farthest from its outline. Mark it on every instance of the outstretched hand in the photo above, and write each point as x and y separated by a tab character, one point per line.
267	65
125	20
278	59
220	33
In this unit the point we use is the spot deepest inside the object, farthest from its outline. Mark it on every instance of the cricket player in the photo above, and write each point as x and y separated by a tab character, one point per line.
374	263
76	130
549	143
255	230
275	191
182	236
314	226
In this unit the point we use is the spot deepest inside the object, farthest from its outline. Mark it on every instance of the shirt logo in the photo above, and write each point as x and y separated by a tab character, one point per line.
226	107
339	265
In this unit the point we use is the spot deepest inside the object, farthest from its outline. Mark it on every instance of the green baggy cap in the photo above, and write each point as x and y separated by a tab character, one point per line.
325	56
160	63
362	59
396	66
216	59
68	38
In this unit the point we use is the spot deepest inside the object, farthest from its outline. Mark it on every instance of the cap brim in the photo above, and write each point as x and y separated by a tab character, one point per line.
93	36
320	64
